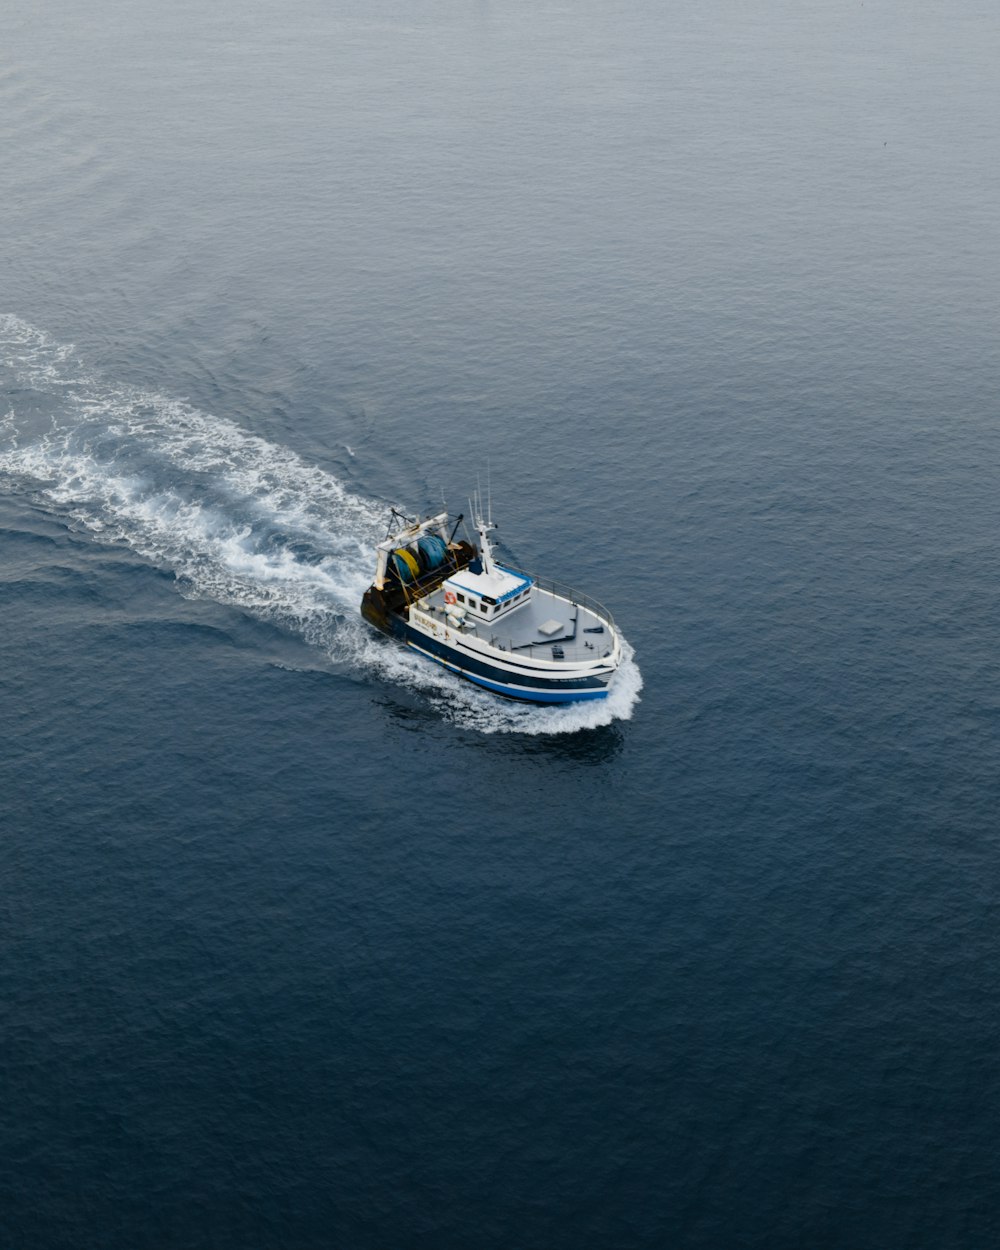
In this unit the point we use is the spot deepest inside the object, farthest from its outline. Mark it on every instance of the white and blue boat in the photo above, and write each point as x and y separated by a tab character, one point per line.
514	634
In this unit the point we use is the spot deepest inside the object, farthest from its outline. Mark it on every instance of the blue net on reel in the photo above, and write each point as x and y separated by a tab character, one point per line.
432	550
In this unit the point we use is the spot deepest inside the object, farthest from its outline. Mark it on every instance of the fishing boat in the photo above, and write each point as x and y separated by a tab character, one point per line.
510	632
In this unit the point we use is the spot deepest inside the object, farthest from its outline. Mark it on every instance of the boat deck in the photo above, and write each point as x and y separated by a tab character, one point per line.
584	631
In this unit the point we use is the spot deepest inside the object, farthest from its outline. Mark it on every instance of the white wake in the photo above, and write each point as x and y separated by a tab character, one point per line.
237	519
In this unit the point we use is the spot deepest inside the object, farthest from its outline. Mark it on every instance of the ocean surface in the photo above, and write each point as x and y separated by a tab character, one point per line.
306	945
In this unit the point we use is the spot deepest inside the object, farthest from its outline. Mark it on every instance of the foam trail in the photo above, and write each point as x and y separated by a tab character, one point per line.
235	518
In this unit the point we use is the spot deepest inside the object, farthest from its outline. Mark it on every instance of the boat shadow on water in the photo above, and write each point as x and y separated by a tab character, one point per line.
599	745
592	745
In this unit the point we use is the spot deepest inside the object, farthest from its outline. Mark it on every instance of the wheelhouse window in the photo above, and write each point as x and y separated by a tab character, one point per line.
461	598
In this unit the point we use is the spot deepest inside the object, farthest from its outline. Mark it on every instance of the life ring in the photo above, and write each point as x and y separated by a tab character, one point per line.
449	597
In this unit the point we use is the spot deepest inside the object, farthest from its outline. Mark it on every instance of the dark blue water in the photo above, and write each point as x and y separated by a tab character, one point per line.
307	945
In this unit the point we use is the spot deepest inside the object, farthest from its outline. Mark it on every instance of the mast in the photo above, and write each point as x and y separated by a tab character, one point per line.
483	525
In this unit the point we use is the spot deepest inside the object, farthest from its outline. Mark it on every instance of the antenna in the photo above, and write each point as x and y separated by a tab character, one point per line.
489	490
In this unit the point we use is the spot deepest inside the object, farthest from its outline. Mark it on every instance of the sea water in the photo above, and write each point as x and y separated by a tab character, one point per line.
307	943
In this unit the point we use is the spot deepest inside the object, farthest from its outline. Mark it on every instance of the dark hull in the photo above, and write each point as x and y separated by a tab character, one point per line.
506	680
527	687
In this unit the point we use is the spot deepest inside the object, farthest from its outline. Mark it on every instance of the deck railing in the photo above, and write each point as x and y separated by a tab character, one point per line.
601	645
578	647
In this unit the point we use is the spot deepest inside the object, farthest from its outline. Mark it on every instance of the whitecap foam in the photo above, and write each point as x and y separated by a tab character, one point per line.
238	520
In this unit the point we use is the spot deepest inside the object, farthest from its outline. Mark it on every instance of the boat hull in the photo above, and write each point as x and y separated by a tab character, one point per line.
503	671
522	685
